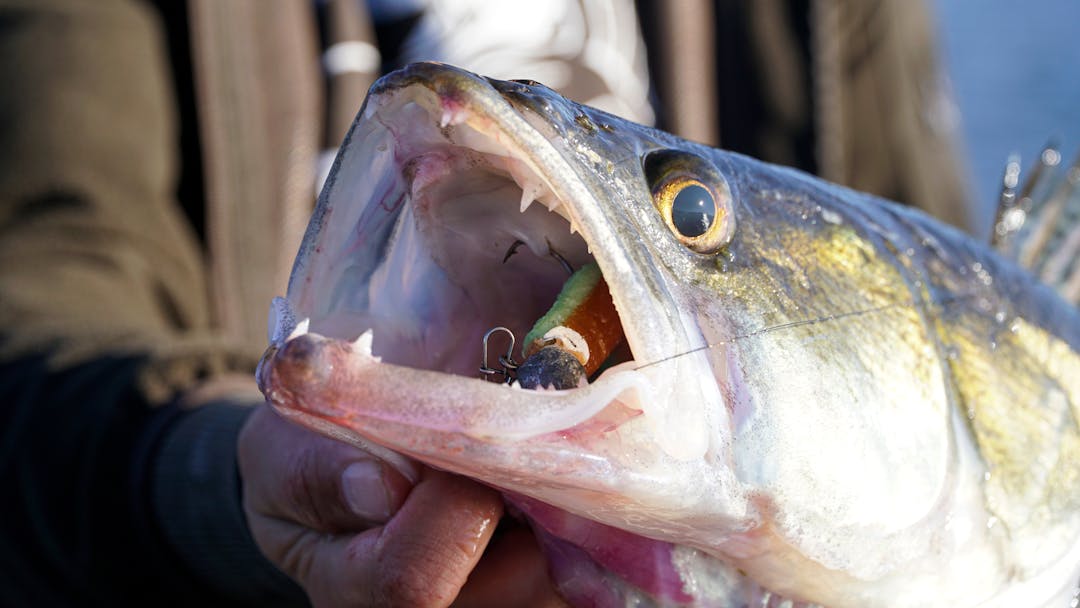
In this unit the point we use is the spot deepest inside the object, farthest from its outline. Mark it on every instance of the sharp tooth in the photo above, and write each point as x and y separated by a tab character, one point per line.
573	227
528	195
547	197
300	329
362	345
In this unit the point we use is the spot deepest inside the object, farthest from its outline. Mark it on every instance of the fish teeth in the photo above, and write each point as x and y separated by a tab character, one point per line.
548	198
450	117
300	329
362	345
528	196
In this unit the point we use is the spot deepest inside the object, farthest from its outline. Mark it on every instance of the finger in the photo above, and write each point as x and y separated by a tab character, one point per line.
297	475
512	572
422	557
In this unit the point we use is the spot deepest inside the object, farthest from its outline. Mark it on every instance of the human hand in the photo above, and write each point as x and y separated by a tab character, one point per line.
354	532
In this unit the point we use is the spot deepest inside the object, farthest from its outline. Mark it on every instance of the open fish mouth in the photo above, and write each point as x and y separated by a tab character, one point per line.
448	213
458	205
478	240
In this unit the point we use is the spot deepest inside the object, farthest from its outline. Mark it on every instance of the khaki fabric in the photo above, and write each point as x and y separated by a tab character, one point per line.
104	309
95	255
886	124
259	96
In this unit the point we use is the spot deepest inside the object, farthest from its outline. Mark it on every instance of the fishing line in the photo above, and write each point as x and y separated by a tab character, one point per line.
793	324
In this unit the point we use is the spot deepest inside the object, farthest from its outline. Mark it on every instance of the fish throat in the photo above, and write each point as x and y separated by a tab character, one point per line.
479	241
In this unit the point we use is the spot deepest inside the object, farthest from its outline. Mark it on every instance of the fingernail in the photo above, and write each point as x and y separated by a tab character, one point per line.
364	489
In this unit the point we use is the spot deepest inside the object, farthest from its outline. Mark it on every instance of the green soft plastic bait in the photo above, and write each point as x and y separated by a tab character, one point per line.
583	321
574	293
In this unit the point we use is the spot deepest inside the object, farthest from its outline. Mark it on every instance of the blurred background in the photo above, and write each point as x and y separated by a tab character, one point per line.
1015	72
134	135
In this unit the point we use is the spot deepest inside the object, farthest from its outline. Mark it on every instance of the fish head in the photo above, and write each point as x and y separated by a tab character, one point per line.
403	272
442	173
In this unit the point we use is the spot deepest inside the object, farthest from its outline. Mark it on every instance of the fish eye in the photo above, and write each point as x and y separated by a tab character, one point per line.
693	210
693	199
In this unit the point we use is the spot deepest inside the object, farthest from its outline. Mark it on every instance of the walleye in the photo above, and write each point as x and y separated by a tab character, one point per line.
828	398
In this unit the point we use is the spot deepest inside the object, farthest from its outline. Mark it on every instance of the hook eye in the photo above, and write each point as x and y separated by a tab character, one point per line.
505	360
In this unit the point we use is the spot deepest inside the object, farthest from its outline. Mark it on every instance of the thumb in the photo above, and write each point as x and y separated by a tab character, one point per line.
293	474
421	557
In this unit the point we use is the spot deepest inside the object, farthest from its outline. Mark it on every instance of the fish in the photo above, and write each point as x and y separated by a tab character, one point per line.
827	399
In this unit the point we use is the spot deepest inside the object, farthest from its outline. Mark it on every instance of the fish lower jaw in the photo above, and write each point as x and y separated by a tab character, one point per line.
592	431
565	447
342	379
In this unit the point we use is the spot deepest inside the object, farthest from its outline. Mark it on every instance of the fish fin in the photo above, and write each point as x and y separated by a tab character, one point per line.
1037	223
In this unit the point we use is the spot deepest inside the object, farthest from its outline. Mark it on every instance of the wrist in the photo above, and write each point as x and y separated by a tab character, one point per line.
196	502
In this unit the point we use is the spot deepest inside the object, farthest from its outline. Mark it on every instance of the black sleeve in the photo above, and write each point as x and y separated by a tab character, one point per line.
113	494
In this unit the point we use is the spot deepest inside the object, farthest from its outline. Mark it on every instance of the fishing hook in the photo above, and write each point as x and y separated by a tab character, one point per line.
555	254
513	249
506	361
551	251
